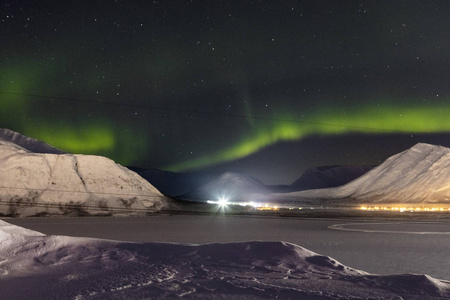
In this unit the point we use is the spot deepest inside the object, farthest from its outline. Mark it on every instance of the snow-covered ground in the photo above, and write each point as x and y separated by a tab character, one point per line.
36	266
376	246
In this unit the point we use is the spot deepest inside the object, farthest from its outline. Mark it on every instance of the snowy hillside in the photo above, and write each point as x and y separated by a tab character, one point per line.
35	266
232	186
419	175
35	183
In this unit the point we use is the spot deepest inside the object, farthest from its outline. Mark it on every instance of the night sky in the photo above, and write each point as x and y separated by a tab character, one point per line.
266	88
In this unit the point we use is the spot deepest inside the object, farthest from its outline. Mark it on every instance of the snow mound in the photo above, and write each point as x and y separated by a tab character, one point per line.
419	175
11	234
8	230
35	183
35	266
232	186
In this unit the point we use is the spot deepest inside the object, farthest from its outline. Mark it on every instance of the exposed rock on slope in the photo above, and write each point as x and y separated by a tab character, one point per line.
33	183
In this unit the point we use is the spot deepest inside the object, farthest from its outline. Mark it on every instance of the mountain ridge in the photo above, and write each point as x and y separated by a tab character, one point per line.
28	143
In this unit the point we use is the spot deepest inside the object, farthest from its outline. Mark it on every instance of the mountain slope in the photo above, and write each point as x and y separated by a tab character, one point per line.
419	175
33	183
232	186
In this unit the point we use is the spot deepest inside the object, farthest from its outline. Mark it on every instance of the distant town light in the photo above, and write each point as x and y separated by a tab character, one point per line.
403	209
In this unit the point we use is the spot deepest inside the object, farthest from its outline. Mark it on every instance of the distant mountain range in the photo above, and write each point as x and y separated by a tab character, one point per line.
175	184
328	176
205	185
36	178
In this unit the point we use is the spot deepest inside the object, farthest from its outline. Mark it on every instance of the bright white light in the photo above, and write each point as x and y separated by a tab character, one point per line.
223	201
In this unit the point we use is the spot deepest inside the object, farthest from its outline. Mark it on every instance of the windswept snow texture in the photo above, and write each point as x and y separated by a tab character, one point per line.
230	186
35	266
34	183
419	175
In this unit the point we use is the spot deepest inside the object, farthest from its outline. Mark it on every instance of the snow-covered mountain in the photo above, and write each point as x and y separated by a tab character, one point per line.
232	186
419	175
35	183
328	176
36	266
26	142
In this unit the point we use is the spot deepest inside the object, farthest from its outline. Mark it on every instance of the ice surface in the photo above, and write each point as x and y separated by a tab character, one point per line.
35	266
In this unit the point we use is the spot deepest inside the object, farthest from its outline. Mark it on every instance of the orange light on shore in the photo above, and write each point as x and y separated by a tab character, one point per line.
403	209
267	208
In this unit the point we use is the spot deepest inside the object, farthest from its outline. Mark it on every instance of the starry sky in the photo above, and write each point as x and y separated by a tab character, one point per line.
265	88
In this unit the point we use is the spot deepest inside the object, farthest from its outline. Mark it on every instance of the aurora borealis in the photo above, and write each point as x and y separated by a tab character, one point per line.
183	85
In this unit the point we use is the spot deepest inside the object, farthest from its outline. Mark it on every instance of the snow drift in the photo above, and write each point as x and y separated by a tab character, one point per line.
35	266
419	175
35	183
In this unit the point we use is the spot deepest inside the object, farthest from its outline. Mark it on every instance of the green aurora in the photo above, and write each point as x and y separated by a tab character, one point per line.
372	119
128	144
94	139
192	84
98	136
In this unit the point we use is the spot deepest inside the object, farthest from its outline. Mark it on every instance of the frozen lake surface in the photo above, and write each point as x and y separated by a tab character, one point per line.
375	246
